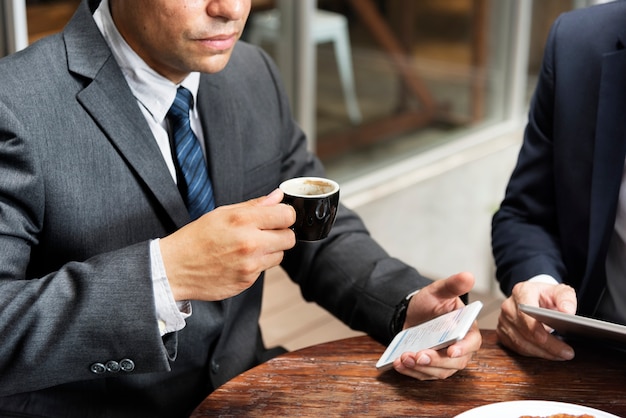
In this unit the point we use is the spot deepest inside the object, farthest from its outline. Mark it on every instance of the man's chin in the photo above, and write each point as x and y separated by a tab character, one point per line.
215	63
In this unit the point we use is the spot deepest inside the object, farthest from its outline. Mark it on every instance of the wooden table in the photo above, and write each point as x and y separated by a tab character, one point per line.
339	379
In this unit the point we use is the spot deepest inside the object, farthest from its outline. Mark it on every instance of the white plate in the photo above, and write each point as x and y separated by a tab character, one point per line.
516	409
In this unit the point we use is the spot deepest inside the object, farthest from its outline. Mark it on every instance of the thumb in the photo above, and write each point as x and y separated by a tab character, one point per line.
271	199
439	297
454	286
565	298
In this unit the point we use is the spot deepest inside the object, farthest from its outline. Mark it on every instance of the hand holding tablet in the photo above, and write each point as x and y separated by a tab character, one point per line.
576	325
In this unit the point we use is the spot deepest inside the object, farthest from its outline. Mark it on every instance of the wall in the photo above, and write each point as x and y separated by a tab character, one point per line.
437	217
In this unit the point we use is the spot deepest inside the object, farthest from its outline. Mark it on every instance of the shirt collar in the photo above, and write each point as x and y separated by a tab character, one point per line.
153	91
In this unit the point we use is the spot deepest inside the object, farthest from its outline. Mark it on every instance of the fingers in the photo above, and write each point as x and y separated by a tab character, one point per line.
232	245
524	334
268	212
549	347
265	213
546	295
417	366
272	246
273	198
440	364
437	298
452	287
430	364
468	345
519	323
565	299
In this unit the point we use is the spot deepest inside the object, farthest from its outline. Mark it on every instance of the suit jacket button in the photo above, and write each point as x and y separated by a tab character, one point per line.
98	368
215	366
113	366
127	365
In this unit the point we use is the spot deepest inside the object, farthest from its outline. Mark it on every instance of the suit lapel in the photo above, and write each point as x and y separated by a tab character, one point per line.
608	165
111	104
223	138
117	113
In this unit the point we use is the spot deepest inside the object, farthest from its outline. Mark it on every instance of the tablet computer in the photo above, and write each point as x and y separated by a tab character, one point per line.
578	326
437	333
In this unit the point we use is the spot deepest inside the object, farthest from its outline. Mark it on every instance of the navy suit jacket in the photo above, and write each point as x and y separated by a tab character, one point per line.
559	210
83	190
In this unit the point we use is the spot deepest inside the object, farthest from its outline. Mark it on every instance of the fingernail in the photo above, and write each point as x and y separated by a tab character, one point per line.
423	360
274	193
408	362
567	354
455	353
568	307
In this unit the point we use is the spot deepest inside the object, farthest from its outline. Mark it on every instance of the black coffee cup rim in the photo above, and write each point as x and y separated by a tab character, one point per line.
299	180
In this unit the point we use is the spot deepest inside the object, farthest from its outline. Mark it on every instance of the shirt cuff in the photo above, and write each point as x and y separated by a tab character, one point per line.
543	278
171	314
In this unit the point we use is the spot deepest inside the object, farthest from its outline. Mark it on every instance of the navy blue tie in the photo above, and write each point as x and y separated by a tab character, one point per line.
199	192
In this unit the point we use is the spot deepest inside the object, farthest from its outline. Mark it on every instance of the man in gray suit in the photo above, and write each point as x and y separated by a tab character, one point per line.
114	301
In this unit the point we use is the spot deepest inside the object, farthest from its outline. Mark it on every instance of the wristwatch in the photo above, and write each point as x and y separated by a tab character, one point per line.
399	315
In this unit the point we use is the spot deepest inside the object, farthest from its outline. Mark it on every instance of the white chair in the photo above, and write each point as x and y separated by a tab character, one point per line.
325	27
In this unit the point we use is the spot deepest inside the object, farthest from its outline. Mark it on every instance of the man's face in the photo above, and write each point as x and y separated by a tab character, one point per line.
176	37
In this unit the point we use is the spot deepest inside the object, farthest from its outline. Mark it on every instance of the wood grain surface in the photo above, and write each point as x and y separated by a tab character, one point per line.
340	379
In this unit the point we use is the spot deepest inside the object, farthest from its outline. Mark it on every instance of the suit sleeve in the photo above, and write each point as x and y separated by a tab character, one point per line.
348	273
524	229
58	326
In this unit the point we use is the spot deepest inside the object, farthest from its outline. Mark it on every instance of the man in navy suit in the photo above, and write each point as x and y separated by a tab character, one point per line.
559	236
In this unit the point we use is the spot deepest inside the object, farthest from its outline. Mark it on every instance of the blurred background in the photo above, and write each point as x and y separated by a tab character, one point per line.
416	107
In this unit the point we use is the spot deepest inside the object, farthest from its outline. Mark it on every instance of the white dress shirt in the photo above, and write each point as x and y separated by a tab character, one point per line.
612	306
155	95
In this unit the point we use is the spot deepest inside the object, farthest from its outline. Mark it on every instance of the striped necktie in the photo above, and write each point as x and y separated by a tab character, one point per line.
197	190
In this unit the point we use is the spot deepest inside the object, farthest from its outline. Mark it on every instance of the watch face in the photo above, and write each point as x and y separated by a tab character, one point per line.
399	316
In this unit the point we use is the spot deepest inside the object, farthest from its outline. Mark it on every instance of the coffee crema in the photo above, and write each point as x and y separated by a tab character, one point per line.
315	187
309	187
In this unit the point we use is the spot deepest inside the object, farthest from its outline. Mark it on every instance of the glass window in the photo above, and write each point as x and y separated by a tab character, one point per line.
23	22
424	73
46	17
543	15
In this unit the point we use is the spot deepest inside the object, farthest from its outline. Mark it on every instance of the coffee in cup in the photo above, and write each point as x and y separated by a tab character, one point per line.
315	200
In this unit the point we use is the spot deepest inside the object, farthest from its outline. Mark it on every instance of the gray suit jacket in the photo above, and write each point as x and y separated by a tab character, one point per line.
83	188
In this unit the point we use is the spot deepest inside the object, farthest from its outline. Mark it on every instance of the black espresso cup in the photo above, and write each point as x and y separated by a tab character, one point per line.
315	200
